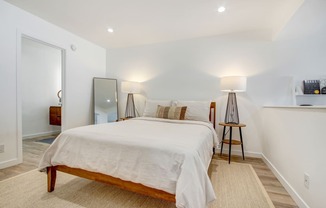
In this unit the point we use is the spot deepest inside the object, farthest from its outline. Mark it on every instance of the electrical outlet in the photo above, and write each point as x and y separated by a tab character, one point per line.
306	180
2	148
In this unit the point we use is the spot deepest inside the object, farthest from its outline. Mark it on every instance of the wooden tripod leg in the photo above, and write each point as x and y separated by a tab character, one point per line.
52	175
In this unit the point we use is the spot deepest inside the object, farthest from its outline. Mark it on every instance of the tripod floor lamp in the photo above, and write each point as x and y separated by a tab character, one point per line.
131	88
233	84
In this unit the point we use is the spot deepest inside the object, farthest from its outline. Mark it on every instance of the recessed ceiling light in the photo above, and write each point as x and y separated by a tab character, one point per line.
110	30
221	9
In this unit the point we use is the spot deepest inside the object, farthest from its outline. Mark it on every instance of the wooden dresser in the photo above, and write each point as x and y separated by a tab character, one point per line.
55	115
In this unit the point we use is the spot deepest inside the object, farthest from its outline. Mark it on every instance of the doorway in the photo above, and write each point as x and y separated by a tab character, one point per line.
41	85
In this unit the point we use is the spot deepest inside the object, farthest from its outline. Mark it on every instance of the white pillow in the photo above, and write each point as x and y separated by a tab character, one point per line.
151	107
196	110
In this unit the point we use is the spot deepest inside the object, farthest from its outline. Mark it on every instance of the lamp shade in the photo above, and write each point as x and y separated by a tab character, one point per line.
233	84
130	87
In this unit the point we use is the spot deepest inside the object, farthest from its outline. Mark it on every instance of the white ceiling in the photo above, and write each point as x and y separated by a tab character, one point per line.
139	22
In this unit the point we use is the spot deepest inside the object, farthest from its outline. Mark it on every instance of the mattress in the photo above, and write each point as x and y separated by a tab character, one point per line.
170	155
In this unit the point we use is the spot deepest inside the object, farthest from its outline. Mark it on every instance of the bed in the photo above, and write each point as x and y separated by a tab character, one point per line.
161	158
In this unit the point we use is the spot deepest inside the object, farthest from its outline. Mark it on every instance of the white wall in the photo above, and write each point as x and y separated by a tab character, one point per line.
41	80
81	66
294	144
190	70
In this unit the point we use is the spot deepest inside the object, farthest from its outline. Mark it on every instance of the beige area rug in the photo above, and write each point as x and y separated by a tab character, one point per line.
236	185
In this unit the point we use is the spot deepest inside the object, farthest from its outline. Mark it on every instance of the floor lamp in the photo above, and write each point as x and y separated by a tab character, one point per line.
131	88
232	85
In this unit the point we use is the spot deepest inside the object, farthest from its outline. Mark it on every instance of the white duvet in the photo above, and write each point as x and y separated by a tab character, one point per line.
169	155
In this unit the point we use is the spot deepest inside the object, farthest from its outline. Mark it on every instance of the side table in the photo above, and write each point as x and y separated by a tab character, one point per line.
230	141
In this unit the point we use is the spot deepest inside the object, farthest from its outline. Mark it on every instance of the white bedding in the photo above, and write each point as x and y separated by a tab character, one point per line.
169	155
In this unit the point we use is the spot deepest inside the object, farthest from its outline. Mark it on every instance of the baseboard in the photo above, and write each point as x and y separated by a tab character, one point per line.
239	153
9	163
50	133
295	196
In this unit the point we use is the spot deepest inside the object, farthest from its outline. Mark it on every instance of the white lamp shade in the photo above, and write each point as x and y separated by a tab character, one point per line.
233	84
130	87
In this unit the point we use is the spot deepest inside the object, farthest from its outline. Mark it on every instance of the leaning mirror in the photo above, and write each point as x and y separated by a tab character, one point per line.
105	100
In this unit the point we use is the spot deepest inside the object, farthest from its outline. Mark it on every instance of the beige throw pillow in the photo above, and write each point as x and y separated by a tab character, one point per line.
151	107
196	110
171	112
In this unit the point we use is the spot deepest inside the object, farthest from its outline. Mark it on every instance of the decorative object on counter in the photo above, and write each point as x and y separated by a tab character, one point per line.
311	86
59	93
323	86
298	90
233	84
323	90
130	88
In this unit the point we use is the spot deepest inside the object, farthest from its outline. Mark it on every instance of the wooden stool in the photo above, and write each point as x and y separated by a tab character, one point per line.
230	141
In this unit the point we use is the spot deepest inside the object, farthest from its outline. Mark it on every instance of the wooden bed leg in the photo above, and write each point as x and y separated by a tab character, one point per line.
52	175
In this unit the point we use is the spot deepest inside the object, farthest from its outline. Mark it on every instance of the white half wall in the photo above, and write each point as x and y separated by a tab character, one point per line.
80	67
41	80
294	144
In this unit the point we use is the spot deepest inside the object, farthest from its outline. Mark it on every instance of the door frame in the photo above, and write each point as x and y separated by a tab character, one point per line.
34	37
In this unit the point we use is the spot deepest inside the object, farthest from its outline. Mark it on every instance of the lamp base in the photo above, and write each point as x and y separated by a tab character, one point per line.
130	107
231	114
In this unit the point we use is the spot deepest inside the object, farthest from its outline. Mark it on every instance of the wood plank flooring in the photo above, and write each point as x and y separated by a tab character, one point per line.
32	152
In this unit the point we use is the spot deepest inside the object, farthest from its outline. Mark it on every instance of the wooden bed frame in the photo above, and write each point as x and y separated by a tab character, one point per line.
127	185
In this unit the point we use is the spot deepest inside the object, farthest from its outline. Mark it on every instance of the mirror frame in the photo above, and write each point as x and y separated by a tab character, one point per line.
117	96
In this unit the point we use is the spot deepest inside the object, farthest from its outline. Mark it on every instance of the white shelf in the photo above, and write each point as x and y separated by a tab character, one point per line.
311	95
312	99
297	106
